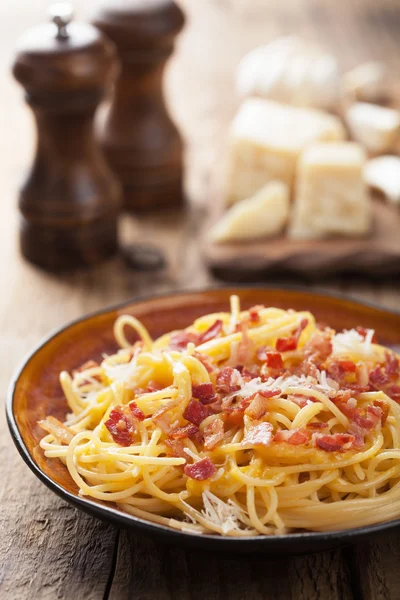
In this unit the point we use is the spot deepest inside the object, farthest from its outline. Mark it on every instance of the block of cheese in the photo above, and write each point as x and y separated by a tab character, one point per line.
266	140
331	196
262	215
375	127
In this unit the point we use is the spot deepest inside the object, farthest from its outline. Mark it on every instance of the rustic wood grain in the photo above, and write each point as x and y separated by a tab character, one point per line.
47	549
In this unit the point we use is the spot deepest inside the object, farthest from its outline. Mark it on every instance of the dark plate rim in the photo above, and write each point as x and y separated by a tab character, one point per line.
120	519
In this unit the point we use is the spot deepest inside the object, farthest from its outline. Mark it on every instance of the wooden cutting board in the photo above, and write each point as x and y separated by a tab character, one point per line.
377	255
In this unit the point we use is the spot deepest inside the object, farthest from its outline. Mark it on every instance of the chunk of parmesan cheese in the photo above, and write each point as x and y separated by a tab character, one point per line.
377	128
266	140
331	195
263	215
383	174
368	82
290	70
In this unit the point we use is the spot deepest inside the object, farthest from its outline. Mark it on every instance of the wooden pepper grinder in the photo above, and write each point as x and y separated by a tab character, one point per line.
141	143
70	200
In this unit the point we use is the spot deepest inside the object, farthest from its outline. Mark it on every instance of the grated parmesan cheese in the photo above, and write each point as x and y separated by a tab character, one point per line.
226	515
350	341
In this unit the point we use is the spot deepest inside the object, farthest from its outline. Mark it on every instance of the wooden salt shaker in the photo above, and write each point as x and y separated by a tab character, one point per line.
70	200
141	143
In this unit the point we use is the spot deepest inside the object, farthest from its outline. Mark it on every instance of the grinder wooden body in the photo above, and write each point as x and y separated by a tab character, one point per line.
70	200
141	142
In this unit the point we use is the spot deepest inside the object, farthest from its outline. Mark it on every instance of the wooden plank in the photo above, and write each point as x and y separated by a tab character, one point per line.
149	570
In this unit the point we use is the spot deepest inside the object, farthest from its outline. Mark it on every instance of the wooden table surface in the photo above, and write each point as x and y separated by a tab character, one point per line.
47	548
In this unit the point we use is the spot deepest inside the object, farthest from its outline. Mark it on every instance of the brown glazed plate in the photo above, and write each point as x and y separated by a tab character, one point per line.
35	392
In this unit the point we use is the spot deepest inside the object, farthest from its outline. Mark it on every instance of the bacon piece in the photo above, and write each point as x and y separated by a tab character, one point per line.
213	434
300	400
61	432
384	406
228	380
204	361
259	435
335	442
286	344
392	365
274	360
245	349
317	425
204	392
378	377
195	412
161	419
295	437
254	316
188	431
122	425
393	391
201	470
180	339
233	416
258	407
212	332
300	328
136	411
177	447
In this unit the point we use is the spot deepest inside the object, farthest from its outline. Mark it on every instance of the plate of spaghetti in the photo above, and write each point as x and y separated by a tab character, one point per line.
249	419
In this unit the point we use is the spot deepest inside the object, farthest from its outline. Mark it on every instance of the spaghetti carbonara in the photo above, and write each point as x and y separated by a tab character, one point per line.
247	422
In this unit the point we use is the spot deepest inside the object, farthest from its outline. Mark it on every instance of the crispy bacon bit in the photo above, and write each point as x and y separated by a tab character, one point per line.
318	348
335	442
204	361
393	391
258	407
364	332
122	424
254	316
244	350
317	425
300	328
161	419
392	365
180	339
233	416
201	470
249	374
195	412
213	434
378	378
204	392
136	411
228	380
384	406
188	431
177	447
274	360
286	344
259	435
212	332
300	400
295	437
61	432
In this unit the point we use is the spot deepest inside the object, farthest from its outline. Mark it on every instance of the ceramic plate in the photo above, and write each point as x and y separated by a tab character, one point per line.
35	392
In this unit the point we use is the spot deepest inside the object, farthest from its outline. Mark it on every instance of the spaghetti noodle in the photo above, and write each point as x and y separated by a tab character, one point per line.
245	423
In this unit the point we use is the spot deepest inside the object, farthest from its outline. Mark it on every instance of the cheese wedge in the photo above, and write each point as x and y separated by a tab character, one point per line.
263	215
266	140
383	174
375	127
331	196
